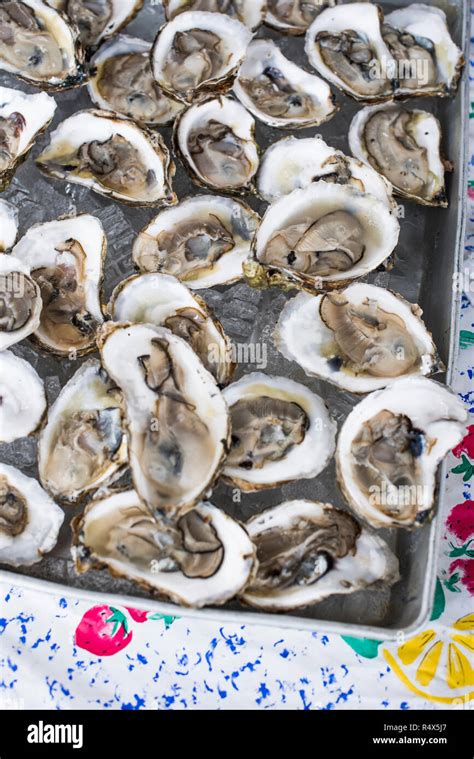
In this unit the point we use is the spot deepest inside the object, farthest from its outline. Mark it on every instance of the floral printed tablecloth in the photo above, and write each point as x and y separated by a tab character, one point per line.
58	653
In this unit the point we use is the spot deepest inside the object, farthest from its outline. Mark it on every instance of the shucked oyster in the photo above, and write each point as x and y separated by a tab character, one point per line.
22	118
281	431
360	338
29	519
280	93
403	145
249	12
20	301
177	419
321	237
66	259
216	139
122	81
98	19
83	445
307	551
203	241
204	558
112	156
345	45
163	300
8	225
197	52
37	44
293	163
22	398
389	449
294	16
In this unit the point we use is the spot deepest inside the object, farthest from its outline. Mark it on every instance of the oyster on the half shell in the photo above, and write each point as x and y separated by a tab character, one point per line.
20	301
249	12
22	398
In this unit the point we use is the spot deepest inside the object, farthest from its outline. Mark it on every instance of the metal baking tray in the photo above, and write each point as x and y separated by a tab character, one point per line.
428	253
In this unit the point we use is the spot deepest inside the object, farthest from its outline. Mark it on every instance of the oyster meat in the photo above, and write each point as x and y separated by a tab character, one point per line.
389	449
8	225
198	52
98	19
203	241
281	432
66	259
307	551
20	301
177	419
361	338
111	155
403	145
122	81
22	398
279	92
294	16
216	139
29	520
83	445
249	12
204	558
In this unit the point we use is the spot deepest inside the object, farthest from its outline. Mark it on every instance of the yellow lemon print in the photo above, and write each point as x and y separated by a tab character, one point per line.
438	665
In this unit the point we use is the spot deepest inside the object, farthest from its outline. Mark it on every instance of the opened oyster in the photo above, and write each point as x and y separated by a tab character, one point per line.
292	163
39	46
249	12
403	145
22	398
98	19
427	60
294	16
198	52
321	237
66	258
123	81
389	449
22	118
280	93
361	338
216	139
307	551
83	445
203	241
112	156
162	300
29	520
20	301
345	45
205	558
177	419
8	225
281	431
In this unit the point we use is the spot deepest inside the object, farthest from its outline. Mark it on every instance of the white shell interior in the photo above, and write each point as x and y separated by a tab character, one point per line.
8	225
37	110
11	264
23	400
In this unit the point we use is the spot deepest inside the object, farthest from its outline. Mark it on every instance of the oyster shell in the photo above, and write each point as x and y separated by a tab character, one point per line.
29	520
97	20
294	16
22	118
249	12
177	419
281	432
293	163
203	241
321	237
83	445
8	225
198	52
216	140
307	551
111	155
280	93
39	46
22	398
66	258
389	449
205	558
20	301
122	81
162	300
360	339
403	145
